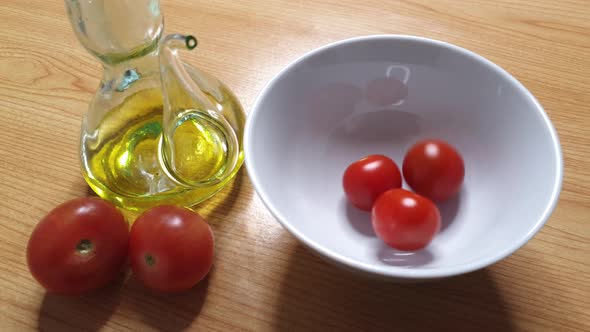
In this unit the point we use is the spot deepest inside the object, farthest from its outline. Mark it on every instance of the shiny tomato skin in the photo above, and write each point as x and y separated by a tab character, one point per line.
435	169
405	220
79	246
171	248
365	179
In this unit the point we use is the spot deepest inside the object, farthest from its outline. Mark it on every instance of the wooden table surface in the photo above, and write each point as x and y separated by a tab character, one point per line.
263	279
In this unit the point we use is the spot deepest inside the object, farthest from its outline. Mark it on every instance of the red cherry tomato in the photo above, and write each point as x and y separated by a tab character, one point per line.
366	179
434	169
405	220
79	246
170	248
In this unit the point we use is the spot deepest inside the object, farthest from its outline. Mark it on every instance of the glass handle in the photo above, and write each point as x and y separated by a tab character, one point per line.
199	147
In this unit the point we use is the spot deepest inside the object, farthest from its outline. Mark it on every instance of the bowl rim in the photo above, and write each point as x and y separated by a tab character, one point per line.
391	271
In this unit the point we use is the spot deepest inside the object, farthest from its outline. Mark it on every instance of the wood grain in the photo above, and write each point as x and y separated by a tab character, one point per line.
263	279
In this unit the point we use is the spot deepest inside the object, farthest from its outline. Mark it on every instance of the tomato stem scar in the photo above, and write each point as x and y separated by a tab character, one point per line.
150	260
84	247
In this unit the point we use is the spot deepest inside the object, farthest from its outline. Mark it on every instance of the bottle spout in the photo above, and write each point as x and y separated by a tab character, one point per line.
179	41
199	147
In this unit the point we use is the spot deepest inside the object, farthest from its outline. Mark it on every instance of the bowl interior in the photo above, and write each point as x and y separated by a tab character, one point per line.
381	95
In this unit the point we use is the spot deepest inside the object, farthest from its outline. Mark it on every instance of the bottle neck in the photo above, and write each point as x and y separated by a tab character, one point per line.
138	52
117	30
121	75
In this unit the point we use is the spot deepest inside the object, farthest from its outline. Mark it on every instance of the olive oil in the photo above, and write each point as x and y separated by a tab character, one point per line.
129	161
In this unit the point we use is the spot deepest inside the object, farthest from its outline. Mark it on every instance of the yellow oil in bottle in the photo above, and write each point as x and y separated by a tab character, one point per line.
123	159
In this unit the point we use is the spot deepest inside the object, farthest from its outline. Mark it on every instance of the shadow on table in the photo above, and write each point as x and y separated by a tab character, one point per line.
315	295
163	312
80	313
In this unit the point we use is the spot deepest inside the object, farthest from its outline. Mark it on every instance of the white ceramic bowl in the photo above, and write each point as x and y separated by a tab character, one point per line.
381	94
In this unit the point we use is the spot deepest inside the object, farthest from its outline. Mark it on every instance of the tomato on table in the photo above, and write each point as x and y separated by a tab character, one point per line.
405	220
79	246
365	179
170	248
435	169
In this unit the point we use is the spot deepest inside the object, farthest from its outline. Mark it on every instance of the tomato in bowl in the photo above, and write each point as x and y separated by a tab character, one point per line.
381	95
